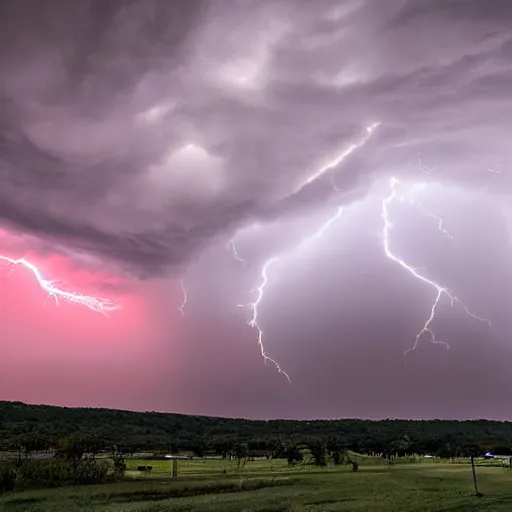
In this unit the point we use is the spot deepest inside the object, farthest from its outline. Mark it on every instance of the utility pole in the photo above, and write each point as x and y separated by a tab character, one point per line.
474	476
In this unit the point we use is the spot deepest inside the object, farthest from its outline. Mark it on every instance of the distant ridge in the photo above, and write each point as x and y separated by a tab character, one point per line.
156	430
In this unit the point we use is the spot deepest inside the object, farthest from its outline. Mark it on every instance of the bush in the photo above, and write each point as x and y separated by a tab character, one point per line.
31	474
7	476
293	454
339	456
41	473
119	465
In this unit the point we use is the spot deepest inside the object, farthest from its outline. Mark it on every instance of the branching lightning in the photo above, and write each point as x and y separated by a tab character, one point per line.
96	304
394	195
414	201
253	306
440	291
439	220
253	322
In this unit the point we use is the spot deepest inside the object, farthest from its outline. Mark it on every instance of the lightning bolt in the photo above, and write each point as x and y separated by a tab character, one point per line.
414	201
440	221
235	253
341	157
181	309
331	166
260	290
95	304
440	291
253	322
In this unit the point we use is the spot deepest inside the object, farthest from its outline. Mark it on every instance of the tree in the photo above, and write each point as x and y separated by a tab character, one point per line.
199	446
278	448
337	450
30	443
118	463
401	446
293	454
223	446
241	454
318	452
72	449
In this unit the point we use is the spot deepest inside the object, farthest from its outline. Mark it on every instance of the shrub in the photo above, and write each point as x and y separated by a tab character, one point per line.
7	476
31	474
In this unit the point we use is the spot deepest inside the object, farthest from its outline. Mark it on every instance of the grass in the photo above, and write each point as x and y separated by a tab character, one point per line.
272	486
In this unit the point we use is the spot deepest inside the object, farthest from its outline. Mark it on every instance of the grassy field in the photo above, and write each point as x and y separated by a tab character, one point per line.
272	486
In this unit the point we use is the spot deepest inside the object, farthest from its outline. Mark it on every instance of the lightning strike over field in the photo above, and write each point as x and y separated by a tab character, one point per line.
439	290
340	158
331	166
95	304
253	322
253	306
181	309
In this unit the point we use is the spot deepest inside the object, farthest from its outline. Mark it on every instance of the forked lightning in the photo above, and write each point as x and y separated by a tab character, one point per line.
253	322
439	290
96	304
104	306
253	306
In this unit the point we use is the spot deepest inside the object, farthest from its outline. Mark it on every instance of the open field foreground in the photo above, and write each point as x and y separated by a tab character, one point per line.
272	486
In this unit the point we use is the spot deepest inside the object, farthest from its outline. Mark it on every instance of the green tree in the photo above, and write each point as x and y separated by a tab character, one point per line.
241	453
119	464
30	443
293	454
318	452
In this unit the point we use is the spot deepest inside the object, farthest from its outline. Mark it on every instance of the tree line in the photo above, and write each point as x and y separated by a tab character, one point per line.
153	432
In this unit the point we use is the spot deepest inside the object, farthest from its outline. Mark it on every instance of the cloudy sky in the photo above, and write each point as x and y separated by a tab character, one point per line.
140	139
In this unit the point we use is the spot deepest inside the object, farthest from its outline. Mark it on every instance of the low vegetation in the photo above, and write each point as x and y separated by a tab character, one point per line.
274	486
103	460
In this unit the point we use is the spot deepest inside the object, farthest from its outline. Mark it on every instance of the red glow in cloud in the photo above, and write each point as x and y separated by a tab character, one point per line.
71	355
48	273
34	326
50	287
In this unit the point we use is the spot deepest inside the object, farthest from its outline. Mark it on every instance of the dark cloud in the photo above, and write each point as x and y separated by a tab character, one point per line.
101	98
143	135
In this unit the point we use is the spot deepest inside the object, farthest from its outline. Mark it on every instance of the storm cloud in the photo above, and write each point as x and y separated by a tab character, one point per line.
143	135
142	131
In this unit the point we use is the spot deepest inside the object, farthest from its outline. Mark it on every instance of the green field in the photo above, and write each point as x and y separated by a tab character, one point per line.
272	486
